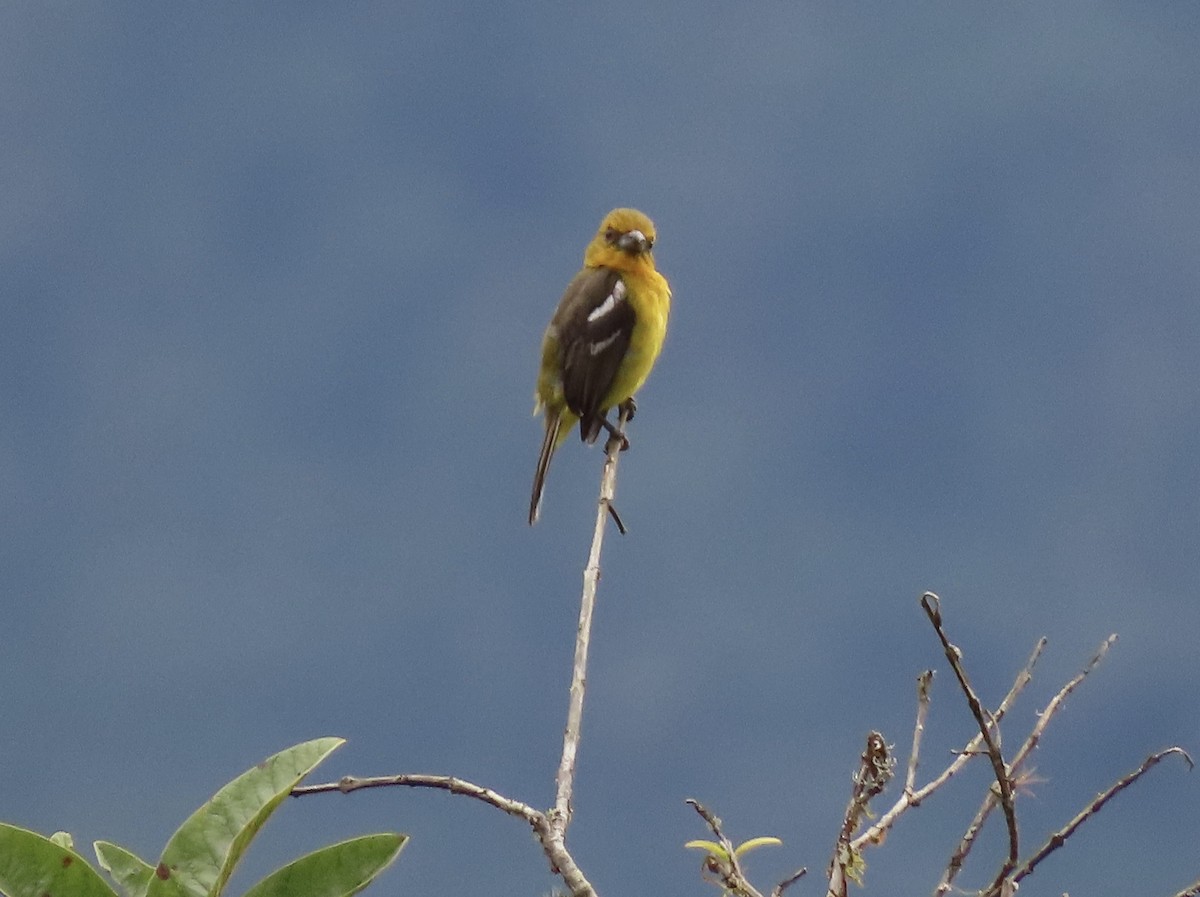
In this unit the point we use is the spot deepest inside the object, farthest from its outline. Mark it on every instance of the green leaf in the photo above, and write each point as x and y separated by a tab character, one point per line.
202	854
755	843
712	848
131	873
335	871
32	865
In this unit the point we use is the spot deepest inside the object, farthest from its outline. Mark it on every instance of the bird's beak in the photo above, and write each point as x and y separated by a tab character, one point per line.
633	242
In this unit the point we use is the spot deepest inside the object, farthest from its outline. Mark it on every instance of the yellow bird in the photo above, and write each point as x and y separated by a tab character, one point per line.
604	337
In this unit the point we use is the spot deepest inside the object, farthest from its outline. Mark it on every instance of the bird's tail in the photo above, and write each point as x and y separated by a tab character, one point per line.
550	441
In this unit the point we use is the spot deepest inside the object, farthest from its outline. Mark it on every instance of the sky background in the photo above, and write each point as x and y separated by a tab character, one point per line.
274	278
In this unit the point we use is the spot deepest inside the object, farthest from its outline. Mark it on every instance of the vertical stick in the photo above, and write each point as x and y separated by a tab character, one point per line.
565	780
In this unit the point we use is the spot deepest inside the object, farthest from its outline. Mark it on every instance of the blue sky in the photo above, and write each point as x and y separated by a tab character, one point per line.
274	283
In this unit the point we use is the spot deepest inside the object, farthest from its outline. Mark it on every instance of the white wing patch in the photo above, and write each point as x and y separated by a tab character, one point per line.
610	302
597	348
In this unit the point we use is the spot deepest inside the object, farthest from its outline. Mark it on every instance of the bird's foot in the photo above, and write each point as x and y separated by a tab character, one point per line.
615	433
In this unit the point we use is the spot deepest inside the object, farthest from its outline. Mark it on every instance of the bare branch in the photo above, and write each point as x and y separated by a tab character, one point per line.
454	785
548	835
778	890
931	604
1057	701
972	747
551	837
924	683
989	802
549	827
565	780
727	869
875	770
1059	838
714	823
954	866
913	798
1192	890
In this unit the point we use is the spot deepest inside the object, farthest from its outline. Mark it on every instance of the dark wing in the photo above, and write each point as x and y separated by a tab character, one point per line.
594	323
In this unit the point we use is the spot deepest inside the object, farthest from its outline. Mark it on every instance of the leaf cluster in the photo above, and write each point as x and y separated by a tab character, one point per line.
200	857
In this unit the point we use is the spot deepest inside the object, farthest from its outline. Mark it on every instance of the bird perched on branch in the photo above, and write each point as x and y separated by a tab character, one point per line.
603	339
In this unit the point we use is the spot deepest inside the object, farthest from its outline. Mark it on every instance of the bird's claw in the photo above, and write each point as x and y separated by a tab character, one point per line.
615	433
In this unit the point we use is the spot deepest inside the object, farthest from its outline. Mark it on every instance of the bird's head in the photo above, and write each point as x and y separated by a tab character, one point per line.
624	233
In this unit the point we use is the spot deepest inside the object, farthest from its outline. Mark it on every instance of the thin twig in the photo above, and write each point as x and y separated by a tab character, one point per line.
1060	837
549	827
989	801
727	868
907	799
875	770
778	890
548	835
972	747
453	784
931	604
565	780
1057	701
714	823
924	682
1192	890
909	796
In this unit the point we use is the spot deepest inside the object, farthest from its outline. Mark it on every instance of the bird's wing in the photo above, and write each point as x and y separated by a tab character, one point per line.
594	324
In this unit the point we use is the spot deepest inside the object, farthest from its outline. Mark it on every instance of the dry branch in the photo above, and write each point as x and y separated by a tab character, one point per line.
954	866
991	736
726	867
1059	838
875	769
565	780
549	827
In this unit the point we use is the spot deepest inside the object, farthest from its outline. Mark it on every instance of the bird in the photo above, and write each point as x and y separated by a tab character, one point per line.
603	338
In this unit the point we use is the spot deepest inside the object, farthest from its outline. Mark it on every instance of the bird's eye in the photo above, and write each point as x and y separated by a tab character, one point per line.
611	235
649	242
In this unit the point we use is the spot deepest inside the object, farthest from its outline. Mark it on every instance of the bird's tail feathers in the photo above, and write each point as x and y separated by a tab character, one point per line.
589	428
550	442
